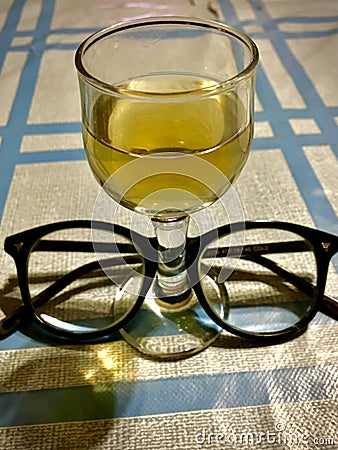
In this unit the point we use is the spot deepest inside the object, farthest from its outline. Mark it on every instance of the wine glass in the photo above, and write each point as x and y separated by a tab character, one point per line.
167	115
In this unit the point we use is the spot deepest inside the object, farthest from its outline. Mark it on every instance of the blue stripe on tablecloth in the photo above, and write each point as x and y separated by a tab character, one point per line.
50	128
165	396
7	34
12	134
291	145
9	29
51	156
292	35
19	341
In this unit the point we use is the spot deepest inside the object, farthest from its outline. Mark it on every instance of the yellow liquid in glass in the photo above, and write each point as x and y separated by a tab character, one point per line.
176	153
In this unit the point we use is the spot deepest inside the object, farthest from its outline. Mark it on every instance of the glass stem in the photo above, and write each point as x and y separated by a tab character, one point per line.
172	284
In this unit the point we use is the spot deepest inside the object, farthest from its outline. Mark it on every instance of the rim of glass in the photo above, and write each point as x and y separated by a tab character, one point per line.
166	20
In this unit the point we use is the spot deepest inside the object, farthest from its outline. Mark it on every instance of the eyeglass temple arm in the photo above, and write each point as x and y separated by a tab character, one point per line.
46	245
11	323
329	306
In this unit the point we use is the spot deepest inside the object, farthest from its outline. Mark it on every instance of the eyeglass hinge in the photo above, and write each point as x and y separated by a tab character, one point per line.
326	246
18	246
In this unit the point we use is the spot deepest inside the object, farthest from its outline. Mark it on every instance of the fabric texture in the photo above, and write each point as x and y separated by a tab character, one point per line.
106	396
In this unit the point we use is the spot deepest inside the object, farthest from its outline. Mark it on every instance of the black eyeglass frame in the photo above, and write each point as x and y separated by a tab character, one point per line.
20	246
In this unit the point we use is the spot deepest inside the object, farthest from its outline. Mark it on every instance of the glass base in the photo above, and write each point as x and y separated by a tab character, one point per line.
170	330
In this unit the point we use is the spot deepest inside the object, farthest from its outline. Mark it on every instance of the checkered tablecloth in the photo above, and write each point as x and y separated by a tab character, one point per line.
230	396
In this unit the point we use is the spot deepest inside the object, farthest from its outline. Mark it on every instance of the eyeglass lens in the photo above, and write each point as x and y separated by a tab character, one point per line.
270	279
75	287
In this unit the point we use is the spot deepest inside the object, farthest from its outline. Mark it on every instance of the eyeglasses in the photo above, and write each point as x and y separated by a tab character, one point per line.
270	277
